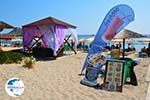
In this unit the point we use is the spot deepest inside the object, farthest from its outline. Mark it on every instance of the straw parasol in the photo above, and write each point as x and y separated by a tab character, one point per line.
127	34
4	25
120	40
16	32
87	40
144	40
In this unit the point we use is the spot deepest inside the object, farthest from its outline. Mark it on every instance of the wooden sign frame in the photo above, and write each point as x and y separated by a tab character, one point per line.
113	80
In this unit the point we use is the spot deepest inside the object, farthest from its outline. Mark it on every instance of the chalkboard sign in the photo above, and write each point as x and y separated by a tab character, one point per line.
113	80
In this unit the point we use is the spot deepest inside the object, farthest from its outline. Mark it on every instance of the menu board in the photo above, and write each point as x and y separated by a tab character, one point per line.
113	80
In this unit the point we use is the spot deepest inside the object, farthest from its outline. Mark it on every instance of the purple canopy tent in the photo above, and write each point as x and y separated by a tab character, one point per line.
52	33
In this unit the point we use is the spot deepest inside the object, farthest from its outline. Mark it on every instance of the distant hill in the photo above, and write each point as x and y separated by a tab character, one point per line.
16	32
148	35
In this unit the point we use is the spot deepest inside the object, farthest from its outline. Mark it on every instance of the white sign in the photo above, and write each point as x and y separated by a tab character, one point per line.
14	87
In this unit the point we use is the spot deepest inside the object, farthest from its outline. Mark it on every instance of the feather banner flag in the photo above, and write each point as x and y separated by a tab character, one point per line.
115	20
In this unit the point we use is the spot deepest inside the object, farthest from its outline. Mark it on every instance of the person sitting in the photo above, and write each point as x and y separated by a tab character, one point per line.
133	48
129	48
115	53
117	46
149	45
72	43
79	46
83	45
148	49
143	52
107	47
143	49
112	46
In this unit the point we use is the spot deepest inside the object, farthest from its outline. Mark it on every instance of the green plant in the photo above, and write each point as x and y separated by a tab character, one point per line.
29	62
7	57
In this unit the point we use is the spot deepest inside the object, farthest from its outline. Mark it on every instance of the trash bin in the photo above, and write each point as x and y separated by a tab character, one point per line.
129	71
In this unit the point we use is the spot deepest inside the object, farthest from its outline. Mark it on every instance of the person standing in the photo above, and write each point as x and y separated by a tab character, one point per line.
148	49
72	43
149	45
119	45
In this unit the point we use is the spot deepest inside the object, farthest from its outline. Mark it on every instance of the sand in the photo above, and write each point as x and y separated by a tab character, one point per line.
59	80
10	48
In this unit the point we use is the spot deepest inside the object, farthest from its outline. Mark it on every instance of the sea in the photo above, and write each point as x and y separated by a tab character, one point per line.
138	46
84	36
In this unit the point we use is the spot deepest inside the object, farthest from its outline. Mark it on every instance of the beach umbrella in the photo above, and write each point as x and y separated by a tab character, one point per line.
128	41
120	40
4	25
87	40
16	32
144	40
127	34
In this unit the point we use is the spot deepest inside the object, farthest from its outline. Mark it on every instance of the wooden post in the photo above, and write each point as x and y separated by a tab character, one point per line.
123	52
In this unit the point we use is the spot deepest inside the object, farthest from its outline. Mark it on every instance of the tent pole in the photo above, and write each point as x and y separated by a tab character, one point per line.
66	41
70	46
0	39
123	52
1	29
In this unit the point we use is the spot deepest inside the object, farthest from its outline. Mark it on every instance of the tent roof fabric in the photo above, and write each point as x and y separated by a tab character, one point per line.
50	20
87	40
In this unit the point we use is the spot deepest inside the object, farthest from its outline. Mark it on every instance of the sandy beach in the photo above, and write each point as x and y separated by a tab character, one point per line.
59	80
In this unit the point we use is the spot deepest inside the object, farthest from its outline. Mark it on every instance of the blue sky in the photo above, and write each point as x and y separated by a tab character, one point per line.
87	15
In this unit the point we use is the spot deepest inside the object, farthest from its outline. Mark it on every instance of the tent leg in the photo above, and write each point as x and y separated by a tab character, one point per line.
71	47
36	41
66	41
0	40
